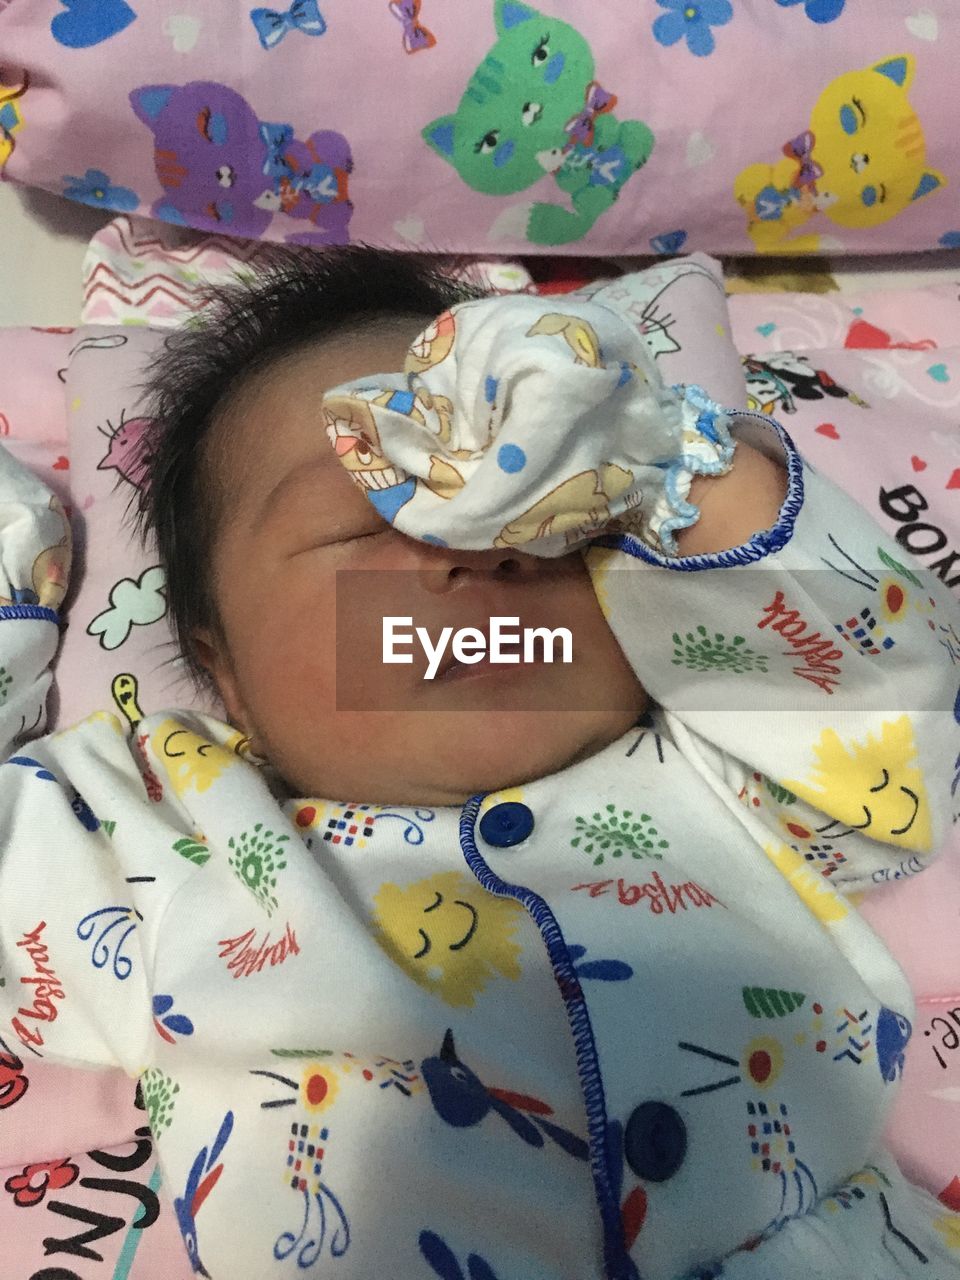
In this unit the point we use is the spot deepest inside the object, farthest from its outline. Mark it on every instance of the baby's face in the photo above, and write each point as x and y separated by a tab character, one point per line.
293	641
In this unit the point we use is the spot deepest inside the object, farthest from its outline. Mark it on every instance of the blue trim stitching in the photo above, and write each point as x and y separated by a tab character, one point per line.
617	1263
712	424
760	545
35	612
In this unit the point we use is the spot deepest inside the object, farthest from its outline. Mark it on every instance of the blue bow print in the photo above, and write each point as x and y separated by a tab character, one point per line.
303	15
276	138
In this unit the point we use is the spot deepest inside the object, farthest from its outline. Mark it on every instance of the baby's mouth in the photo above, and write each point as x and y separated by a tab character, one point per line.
511	660
453	669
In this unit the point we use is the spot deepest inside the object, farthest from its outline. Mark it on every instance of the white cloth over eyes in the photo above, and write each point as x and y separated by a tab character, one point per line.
488	437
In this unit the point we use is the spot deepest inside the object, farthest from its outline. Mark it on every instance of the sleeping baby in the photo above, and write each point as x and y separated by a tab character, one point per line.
501	961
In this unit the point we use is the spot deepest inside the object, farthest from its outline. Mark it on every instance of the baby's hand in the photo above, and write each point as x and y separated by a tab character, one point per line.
528	423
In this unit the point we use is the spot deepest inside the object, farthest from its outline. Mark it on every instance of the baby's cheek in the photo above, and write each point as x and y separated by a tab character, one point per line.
296	674
285	658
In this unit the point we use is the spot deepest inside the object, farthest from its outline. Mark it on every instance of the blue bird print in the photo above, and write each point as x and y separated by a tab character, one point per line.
461	1099
893	1034
204	1176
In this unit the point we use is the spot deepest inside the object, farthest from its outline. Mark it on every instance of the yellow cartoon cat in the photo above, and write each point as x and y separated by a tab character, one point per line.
861	162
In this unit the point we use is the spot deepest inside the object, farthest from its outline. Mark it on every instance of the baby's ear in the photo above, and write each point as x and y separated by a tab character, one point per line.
211	653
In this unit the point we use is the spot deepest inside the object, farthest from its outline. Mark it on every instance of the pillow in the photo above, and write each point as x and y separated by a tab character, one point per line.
118	652
33	420
497	126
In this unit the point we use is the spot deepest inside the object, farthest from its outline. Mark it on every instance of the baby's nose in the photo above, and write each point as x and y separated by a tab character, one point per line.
445	569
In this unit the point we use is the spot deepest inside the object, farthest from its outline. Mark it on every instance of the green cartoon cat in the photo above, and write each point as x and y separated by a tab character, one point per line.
532	107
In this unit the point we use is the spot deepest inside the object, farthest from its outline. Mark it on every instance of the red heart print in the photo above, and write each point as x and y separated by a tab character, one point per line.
954	481
61	464
828	429
863	334
918	464
4	425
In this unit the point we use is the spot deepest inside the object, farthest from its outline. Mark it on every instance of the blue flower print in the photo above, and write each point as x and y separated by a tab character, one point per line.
818	10
691	20
166	1022
95	189
950	240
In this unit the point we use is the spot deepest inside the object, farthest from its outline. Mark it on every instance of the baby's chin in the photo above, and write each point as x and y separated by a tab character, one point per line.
507	750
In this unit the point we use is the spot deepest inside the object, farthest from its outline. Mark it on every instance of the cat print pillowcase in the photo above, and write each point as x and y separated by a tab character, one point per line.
498	127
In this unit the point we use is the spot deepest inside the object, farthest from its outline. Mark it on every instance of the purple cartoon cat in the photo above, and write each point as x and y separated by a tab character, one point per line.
127	453
222	169
207	153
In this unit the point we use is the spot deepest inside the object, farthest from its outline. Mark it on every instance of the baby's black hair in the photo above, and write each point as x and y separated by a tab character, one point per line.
292	300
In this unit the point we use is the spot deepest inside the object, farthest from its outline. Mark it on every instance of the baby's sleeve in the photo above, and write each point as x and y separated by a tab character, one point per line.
809	674
34	565
54	855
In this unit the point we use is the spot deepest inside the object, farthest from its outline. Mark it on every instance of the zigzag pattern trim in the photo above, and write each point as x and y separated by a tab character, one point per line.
124	279
134	244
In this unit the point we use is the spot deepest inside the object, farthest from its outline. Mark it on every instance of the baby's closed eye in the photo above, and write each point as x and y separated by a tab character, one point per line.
337	538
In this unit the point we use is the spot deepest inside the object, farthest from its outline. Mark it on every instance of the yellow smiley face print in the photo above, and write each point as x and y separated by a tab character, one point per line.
448	934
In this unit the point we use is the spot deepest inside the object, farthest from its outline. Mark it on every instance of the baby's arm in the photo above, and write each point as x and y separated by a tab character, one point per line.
798	660
881	736
797	655
34	563
803	663
734	506
59	886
